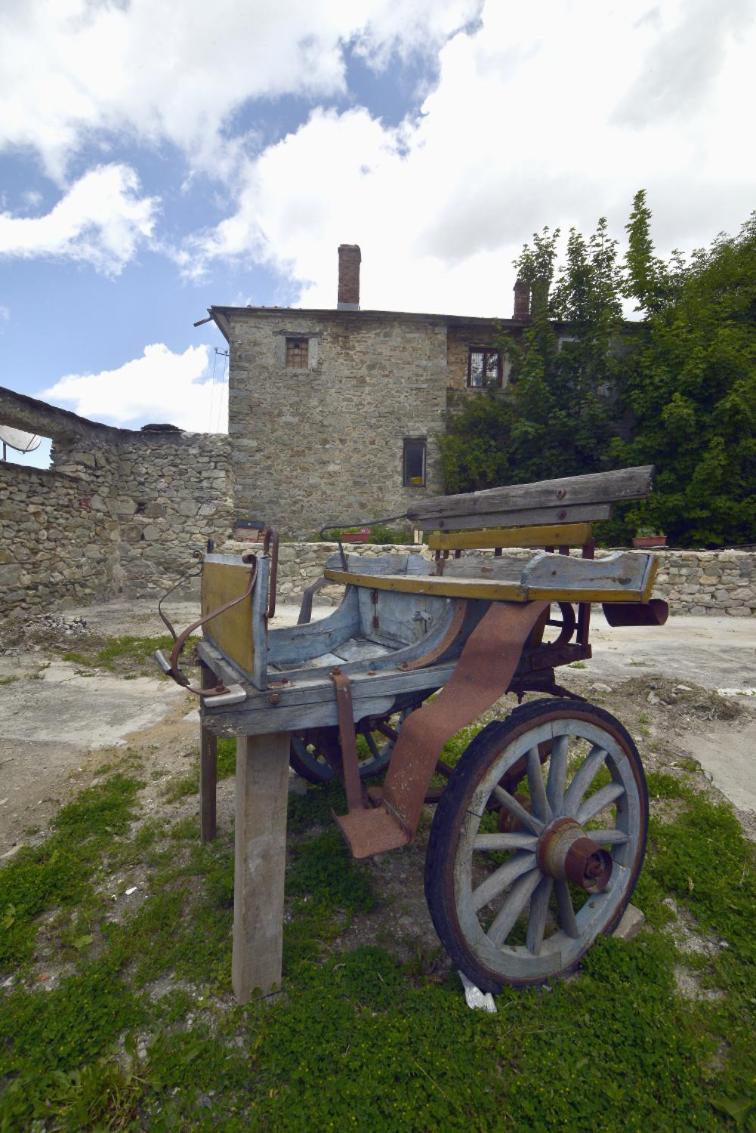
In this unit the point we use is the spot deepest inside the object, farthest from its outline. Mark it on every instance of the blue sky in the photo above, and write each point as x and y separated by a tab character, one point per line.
155	160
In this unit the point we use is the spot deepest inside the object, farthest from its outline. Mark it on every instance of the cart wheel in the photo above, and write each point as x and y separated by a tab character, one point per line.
518	894
308	753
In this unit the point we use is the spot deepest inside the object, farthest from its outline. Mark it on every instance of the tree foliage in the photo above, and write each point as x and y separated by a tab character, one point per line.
589	391
692	390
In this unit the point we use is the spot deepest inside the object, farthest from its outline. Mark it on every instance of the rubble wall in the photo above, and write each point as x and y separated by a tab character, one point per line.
118	513
53	547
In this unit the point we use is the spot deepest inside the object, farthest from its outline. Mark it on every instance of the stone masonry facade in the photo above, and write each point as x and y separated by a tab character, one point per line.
319	437
313	445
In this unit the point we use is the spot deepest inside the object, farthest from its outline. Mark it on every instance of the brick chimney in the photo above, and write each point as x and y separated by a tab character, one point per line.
521	300
349	277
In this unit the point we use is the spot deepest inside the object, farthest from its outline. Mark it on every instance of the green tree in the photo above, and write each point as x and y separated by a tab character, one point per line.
589	391
692	390
559	413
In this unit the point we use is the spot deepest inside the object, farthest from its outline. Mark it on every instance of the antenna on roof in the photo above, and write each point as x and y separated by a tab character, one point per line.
18	440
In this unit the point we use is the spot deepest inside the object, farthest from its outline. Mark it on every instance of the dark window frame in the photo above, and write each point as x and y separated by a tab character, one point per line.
296	346
414	446
487	352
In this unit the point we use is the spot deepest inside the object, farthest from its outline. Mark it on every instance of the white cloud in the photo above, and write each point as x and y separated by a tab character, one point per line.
178	71
161	386
101	220
525	127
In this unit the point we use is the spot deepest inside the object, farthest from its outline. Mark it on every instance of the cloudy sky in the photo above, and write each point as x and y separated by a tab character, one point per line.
159	158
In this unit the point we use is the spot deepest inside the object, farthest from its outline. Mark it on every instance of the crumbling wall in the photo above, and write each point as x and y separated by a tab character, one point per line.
53	547
168	493
119	511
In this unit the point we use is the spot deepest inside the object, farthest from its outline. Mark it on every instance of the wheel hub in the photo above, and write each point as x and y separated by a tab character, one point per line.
565	852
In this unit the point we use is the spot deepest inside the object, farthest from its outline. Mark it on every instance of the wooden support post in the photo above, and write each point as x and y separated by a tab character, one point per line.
208	771
262	784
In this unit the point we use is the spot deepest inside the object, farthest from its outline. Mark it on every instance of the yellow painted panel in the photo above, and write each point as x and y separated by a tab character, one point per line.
425	584
552	535
232	631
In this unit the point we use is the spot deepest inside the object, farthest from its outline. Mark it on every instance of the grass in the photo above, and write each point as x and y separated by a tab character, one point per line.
127	654
139	1031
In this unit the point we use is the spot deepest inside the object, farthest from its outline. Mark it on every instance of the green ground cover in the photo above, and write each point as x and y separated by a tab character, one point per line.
127	654
138	1029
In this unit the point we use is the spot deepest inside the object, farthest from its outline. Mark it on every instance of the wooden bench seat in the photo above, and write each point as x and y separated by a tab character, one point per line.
619	577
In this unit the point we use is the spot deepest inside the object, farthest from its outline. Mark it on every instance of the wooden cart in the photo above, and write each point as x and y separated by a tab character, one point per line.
539	833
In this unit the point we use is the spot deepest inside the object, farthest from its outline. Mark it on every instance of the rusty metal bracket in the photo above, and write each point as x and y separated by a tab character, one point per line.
172	668
347	739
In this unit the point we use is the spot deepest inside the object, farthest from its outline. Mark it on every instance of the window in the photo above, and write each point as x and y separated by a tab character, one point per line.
413	463
483	367
296	353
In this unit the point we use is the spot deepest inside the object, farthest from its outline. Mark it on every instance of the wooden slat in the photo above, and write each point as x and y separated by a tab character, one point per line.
262	781
554	578
580	513
443	587
596	488
208	771
231	631
543	535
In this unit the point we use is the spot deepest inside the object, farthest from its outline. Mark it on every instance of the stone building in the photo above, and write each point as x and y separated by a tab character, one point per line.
334	414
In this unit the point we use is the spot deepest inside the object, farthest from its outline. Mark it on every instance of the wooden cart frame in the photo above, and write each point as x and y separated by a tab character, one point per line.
539	836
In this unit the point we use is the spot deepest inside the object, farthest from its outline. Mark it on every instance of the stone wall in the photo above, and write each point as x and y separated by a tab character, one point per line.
708	582
168	493
119	512
53	547
693	582
324	444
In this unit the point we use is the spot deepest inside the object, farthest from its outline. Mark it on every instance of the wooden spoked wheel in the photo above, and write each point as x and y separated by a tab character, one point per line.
315	755
563	620
518	893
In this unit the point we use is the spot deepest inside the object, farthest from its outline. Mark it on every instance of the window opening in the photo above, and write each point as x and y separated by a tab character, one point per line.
297	353
413	464
483	367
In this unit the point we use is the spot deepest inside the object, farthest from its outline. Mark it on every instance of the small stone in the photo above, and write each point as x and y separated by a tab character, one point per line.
631	923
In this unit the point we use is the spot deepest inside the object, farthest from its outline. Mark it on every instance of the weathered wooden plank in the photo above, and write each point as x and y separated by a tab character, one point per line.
322	636
262	782
578	513
507	568
371	695
208	771
232	630
617	578
268	720
621	571
396	619
498	591
598	487
543	535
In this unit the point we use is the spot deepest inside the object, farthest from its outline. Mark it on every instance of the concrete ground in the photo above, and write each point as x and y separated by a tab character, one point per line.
55	722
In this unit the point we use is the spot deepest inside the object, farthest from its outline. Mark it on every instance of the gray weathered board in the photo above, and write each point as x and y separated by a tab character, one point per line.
568	499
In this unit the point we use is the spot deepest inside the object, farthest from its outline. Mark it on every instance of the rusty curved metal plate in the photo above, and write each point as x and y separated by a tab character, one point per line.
483	674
